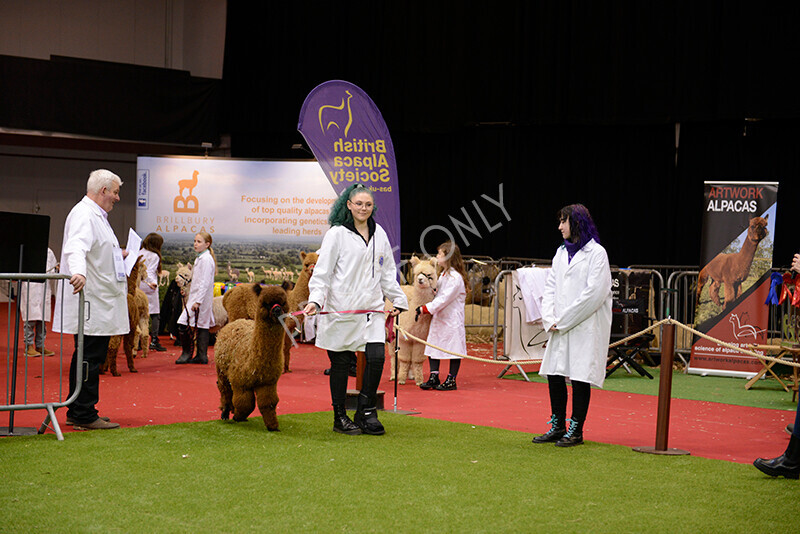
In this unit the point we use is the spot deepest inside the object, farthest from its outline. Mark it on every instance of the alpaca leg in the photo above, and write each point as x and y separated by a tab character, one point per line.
393	371
417	361
713	292
129	352
111	360
287	347
225	396
244	402
267	402
403	361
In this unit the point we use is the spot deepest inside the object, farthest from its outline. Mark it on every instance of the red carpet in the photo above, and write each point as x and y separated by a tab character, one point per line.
162	393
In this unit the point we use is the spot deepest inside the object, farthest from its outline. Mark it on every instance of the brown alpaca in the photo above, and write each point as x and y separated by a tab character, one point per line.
137	317
298	297
732	269
249	359
241	303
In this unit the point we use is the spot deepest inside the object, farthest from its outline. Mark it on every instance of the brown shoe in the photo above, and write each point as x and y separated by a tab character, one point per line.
71	422
46	352
99	424
31	352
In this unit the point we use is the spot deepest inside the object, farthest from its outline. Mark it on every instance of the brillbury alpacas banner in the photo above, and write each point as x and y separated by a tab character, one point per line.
734	280
282	204
349	138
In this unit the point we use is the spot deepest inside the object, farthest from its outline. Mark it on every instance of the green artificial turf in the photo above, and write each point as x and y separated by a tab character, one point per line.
422	476
764	393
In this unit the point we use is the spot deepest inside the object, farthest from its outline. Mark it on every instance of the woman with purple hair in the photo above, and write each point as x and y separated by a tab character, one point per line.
576	314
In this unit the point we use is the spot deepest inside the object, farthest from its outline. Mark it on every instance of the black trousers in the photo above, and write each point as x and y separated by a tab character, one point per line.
340	369
581	395
82	409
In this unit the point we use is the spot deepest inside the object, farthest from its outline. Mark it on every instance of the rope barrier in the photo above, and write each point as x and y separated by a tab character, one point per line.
669	320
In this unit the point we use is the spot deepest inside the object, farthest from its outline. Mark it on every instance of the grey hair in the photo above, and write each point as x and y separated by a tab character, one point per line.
102	178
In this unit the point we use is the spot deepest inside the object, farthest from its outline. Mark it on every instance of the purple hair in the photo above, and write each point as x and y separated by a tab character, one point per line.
581	226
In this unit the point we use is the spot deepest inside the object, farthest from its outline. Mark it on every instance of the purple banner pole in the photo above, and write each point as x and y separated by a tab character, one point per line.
348	136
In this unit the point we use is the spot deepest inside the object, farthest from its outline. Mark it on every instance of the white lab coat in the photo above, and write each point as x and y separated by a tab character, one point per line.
35	298
202	291
351	274
151	266
88	249
447	325
577	299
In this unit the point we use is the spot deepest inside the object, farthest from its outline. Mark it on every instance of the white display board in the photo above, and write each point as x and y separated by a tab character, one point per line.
523	340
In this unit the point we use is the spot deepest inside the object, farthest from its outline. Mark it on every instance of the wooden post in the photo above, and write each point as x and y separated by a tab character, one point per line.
664	396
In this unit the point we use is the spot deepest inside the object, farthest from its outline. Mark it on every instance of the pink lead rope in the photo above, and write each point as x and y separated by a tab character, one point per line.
389	319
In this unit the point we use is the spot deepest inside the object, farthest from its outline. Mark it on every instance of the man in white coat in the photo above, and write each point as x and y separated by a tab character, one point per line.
91	255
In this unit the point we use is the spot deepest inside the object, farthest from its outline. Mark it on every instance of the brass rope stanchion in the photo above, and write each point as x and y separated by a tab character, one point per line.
664	396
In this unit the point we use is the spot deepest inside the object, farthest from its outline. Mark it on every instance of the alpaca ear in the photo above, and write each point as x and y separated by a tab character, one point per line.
433	261
302	255
414	261
257	289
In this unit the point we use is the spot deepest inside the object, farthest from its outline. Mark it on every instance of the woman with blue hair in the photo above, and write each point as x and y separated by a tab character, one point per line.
355	272
576	314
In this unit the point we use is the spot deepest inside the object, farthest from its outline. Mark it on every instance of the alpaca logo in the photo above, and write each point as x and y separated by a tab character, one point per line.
742	330
188	203
332	114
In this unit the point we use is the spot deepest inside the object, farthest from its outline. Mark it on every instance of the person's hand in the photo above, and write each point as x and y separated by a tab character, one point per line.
196	307
78	282
796	263
152	286
310	309
395	312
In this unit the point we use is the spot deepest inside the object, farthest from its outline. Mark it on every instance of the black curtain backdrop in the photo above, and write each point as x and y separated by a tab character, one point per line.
561	102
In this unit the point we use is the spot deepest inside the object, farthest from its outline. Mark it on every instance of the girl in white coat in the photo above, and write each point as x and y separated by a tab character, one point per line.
576	313
35	301
355	271
198	312
447	325
151	253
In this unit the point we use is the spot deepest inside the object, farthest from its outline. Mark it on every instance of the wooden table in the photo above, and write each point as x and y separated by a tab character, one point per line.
781	351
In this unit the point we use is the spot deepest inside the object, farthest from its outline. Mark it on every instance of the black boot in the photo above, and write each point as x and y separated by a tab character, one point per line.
367	417
202	347
786	465
342	423
449	384
432	382
555	433
574	435
187	344
155	344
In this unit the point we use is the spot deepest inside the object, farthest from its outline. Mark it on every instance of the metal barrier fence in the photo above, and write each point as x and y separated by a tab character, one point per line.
38	387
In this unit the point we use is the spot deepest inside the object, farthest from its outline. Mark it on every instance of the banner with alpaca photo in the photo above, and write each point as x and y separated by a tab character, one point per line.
734	280
348	136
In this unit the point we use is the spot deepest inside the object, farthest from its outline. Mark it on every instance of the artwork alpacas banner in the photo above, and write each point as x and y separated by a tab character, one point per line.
348	136
734	279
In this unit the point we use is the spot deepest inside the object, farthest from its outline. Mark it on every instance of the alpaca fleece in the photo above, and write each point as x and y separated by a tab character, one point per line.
249	359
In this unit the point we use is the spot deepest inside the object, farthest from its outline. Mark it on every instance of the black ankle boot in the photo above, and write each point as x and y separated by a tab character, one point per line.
342	423
202	346
786	465
367	417
432	382
187	344
555	433
574	435
155	345
449	384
